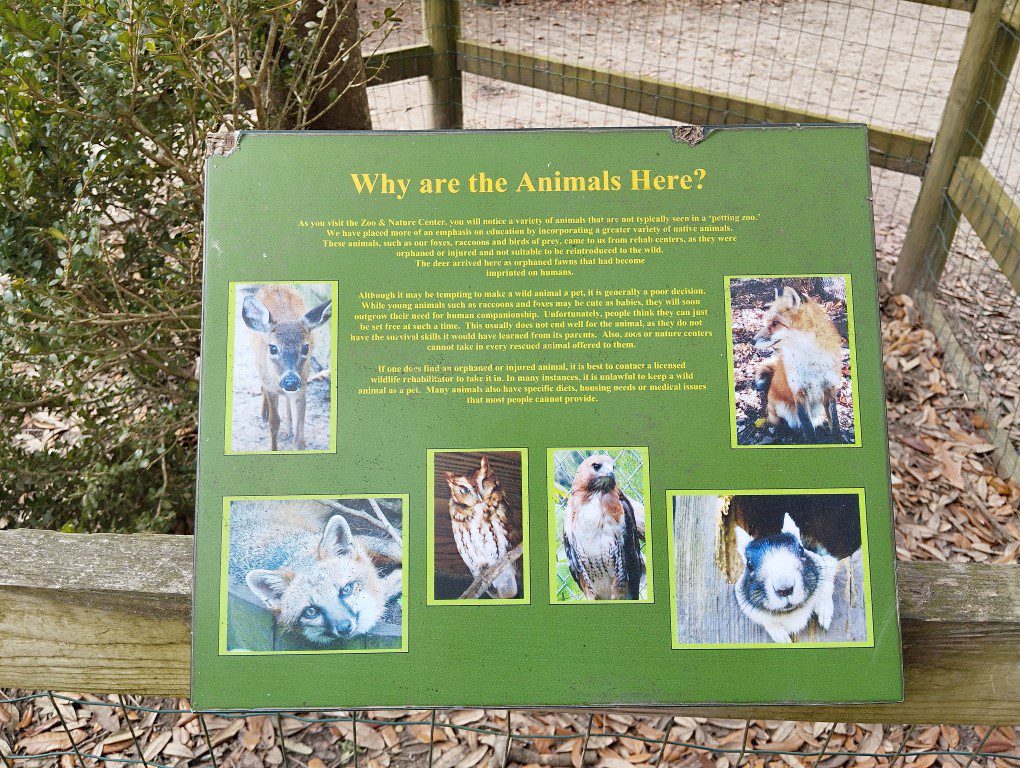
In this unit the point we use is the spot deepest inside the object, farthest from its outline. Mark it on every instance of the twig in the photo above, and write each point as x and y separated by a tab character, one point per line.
527	756
484	580
366	517
382	519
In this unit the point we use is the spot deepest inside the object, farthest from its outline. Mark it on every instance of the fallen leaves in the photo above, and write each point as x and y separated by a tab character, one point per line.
950	504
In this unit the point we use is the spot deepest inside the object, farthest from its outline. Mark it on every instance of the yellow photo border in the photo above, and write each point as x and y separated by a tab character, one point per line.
851	342
430	504
225	568
869	642
334	327
555	529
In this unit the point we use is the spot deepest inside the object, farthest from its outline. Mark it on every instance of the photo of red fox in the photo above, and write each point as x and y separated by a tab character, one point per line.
792	374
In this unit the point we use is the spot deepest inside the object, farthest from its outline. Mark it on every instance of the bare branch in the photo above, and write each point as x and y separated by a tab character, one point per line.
370	519
484	580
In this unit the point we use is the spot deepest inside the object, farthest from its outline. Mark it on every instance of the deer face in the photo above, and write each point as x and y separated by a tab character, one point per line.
289	343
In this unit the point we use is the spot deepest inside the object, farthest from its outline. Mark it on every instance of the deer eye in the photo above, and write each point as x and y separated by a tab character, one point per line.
304	350
310	612
273	349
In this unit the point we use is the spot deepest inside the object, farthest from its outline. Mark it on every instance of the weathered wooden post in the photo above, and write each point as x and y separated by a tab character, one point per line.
963	130
442	31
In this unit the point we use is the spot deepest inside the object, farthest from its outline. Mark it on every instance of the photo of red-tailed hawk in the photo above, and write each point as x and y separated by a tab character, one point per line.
603	531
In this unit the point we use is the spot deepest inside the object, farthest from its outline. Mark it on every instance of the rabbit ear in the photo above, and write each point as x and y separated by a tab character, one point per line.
790	527
743	539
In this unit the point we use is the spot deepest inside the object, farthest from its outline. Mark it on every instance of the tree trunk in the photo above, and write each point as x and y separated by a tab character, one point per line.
351	111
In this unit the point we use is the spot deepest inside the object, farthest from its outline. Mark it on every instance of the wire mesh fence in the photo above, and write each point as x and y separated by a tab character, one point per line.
973	268
77	732
888	63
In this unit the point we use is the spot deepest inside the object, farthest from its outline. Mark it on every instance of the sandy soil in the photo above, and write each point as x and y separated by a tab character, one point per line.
248	431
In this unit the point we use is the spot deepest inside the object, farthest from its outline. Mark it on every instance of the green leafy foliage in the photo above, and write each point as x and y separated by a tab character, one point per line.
104	110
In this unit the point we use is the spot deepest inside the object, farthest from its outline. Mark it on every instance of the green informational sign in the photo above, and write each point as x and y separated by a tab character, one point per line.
542	418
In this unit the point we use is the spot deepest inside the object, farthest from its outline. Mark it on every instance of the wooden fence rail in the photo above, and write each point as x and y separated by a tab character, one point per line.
112	613
986	61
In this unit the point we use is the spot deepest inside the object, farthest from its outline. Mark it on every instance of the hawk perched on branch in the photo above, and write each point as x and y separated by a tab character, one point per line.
600	534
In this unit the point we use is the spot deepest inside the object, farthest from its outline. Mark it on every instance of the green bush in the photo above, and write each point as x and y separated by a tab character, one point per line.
104	111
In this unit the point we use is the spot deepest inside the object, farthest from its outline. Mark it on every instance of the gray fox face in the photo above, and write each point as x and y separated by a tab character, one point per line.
288	342
779	573
338	596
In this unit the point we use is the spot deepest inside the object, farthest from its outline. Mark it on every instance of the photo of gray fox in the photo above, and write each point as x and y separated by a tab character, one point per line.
315	574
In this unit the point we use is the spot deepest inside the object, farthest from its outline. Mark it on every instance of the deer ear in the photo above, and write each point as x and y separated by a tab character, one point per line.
790	527
316	317
337	539
269	586
791	295
255	315
743	539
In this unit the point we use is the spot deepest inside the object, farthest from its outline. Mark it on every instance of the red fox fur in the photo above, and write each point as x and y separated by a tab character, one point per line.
804	375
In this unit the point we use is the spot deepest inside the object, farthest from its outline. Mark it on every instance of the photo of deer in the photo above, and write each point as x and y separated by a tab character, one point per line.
282	377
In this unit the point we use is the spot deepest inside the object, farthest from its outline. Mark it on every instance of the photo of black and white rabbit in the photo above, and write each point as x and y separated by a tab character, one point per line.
769	568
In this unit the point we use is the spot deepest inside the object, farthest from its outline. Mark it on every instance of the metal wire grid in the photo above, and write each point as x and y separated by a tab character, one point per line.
565	464
82	755
888	63
980	300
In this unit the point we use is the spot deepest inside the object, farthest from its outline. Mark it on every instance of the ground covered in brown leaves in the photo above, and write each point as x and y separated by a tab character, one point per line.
950	504
118	730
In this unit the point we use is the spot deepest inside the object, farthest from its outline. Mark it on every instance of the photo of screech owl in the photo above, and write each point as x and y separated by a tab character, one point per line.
480	518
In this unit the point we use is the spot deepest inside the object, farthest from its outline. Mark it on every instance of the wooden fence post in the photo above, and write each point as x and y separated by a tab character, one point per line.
933	222
442	31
